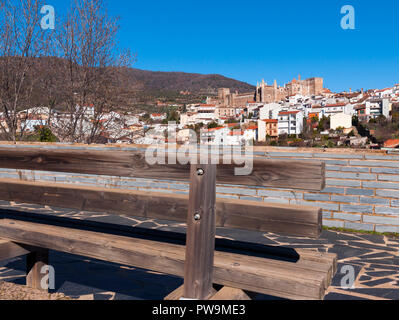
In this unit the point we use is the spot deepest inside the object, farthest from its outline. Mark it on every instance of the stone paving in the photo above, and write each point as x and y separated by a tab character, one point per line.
373	258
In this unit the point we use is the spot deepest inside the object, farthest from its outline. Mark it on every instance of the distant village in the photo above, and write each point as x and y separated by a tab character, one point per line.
300	113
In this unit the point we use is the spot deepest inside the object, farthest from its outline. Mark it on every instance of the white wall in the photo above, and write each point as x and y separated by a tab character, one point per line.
341	120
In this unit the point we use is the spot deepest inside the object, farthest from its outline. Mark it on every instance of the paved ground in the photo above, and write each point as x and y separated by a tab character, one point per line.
12	291
374	259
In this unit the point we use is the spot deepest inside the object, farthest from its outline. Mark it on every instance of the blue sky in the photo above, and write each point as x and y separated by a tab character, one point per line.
250	40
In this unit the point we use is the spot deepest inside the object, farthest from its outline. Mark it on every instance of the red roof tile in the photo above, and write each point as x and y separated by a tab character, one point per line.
252	128
335	105
391	143
287	113
270	120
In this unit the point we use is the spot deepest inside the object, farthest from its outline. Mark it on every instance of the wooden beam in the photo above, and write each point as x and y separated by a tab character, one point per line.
227	293
283	219
11	250
265	173
175	294
35	261
201	231
328	258
268	276
178	294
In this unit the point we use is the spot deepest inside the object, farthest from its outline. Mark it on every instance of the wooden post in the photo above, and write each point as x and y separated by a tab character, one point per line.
35	261
201	229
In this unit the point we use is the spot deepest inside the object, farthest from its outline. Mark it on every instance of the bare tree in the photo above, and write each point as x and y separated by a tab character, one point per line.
21	40
87	42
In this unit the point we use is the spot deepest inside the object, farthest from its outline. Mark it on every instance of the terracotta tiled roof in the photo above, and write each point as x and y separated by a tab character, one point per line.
252	128
391	143
335	105
230	125
213	129
236	133
287	113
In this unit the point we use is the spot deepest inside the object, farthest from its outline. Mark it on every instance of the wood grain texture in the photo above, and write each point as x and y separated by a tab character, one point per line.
274	277
283	219
200	243
11	250
35	261
265	173
176	294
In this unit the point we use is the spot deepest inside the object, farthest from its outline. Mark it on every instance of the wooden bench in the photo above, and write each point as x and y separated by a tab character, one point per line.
280	272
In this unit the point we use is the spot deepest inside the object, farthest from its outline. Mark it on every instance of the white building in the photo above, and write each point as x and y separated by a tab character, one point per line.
251	107
131	120
207	112
235	138
31	124
385	93
87	111
315	111
341	120
215	136
158	116
186	136
331	109
251	133
290	122
295	99
377	107
188	119
269	111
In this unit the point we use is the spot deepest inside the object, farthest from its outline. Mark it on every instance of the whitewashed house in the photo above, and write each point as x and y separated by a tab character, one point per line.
340	120
377	107
235	138
290	122
158	116
251	134
215	136
269	111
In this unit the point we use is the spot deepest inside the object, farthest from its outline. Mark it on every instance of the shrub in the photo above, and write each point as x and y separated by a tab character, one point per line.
45	134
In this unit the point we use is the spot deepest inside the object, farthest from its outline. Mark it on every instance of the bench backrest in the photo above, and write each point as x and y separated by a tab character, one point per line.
200	210
284	219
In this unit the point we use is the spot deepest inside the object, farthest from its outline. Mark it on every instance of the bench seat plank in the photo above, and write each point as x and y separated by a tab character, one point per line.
292	220
11	250
273	277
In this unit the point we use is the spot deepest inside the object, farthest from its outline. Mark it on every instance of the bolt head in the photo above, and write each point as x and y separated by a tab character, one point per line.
197	217
200	172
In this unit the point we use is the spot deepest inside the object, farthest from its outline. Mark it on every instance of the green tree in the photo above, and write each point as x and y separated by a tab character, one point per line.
324	124
45	135
213	125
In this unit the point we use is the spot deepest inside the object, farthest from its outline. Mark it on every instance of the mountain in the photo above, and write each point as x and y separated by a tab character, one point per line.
131	88
181	81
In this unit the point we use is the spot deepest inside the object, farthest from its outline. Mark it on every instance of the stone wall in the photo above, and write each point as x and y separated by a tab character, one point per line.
362	190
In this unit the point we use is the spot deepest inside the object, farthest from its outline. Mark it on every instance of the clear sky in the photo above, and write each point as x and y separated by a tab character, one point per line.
250	40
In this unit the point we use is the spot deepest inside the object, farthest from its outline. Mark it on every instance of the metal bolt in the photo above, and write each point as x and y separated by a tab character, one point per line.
200	172
197	216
